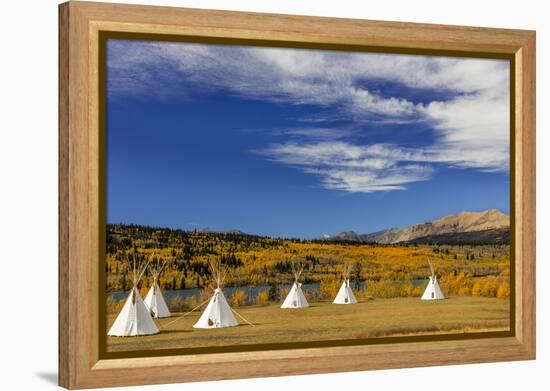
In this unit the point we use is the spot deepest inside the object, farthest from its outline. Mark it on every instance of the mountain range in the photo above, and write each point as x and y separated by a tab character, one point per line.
490	226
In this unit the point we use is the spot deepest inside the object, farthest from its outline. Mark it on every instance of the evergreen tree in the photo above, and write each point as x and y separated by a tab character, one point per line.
274	292
356	278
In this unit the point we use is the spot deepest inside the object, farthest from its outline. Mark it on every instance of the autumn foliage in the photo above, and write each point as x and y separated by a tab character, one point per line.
379	270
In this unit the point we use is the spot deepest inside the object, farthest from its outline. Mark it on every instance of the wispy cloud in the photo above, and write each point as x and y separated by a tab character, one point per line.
295	76
304	132
376	167
469	129
354	168
317	133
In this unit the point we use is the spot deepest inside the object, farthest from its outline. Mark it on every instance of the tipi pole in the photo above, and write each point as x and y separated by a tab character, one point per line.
143	271
242	317
187	313
162	267
134	266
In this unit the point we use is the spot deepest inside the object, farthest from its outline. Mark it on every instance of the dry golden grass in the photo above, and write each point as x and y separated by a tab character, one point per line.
325	321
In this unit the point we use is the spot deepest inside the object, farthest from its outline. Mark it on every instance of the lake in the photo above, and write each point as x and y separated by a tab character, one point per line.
252	291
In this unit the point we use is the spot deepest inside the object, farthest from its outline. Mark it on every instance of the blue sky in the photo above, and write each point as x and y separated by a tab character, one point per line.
300	143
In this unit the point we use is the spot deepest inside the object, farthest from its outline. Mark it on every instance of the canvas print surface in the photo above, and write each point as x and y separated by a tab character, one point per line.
261	196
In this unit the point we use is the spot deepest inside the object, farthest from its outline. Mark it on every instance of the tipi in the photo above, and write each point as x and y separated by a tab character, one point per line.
154	300
345	294
134	318
432	292
295	298
218	313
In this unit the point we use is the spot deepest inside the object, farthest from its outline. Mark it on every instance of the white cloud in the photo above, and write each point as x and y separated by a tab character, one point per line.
354	168
367	182
473	130
298	76
470	125
318	133
377	167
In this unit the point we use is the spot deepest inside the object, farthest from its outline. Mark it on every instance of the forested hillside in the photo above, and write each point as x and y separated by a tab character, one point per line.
388	270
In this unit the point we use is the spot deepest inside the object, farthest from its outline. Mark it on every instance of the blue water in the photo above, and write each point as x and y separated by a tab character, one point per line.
252	291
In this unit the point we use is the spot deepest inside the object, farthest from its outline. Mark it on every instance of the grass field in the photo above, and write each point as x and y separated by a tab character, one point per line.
326	321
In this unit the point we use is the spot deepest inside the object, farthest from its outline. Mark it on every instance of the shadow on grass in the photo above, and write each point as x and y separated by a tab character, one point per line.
182	331
254	324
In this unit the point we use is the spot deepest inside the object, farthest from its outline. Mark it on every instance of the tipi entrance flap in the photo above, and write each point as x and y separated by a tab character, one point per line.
432	291
295	297
154	300
218	313
134	318
345	294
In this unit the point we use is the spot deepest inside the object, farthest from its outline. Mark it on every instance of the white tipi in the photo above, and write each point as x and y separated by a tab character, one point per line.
433	292
218	313
295	298
134	318
345	294
154	300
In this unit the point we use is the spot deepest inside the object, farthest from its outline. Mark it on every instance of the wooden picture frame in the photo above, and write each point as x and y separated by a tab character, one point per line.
80	199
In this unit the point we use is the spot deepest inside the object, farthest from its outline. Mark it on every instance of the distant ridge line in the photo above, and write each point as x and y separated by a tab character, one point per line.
490	226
